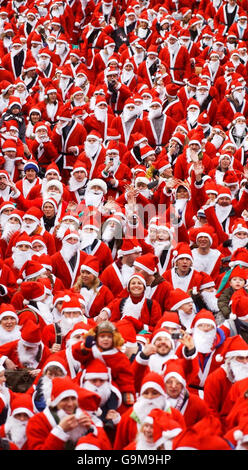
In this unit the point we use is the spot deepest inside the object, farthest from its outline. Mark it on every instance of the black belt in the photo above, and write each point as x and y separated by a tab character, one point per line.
197	387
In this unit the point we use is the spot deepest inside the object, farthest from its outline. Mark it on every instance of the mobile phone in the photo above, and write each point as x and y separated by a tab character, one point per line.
177	335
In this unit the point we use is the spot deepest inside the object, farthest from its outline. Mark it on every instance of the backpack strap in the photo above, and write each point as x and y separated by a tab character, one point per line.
149	305
29	310
58	334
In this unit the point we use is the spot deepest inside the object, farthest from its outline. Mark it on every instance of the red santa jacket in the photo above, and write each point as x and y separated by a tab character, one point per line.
10	351
76	136
97	300
62	269
168	127
122	176
92	164
126	136
179	64
43	153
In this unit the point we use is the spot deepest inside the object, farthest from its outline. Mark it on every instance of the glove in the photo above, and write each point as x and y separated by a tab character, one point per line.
89	342
128	398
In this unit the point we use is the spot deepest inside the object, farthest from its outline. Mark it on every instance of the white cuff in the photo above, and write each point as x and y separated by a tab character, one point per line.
60	433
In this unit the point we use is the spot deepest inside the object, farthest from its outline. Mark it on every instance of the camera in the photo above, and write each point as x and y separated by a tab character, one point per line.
177	335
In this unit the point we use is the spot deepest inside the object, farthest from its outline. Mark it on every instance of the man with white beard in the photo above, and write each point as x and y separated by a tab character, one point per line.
193	112
15	426
112	234
238	130
66	262
62	49
233	102
93	154
152	395
10	224
9	328
96	377
163	247
21	252
42	390
96	189
62	408
100	119
78	181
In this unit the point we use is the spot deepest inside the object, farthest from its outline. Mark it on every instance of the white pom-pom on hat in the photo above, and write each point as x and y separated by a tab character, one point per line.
232	316
25	302
238	435
67	298
19	281
219	358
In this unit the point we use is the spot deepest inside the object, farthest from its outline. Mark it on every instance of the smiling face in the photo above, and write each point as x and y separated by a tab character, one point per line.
136	287
105	341
8	323
68	404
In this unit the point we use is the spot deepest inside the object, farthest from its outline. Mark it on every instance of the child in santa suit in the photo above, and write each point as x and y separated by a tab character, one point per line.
237	281
104	342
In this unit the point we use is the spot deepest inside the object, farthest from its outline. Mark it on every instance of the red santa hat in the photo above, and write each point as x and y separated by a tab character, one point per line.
223	192
136	276
96	369
71	304
71	234
239	226
174	369
71	216
205	231
203	119
9	146
54	169
164	427
30	270
153	380
57	183
7	310
23	239
52	201
98	182
30	333
22	403
62	387
141	177
147	263
90	264
206	281
170	320
56	361
239	302
45	261
178	298
230	178
203	316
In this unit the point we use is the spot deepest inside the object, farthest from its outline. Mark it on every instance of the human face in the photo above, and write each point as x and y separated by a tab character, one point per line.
48	210
182	193
162	235
52	175
183	264
36	246
2	378
14	220
136	287
72	314
53	372
8	323
243	360
68	404
105	341
225	163
23	247
241	235
173	387
147	430
187	308
224	201
52	97
79	176
87	278
163	345
203	242
237	283
30	175
34	117
97	382
21	417
11	154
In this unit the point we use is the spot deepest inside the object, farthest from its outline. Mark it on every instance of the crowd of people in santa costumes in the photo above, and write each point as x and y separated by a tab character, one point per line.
123	225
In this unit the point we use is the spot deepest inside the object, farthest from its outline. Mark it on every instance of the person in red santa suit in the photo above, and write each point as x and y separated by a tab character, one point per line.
31	178
172	105
116	275
72	313
51	106
232	369
41	147
101	58
6	394
92	245
128	122
71	423
104	342
66	262
93	153
52	173
192	153
158	126
9	328
88	284
16	424
11	159
115	173
112	233
78	182
152	396
206	257
132	313
92	37
14	60
100	120
129	75
226	15
233	102
237	241
27	351
207	101
117	93
156	432
149	66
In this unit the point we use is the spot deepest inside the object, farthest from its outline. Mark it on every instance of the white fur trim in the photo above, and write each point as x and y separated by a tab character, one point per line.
64	394
60	434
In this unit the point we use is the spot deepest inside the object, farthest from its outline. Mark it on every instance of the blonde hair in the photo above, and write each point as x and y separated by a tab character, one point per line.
118	340
79	282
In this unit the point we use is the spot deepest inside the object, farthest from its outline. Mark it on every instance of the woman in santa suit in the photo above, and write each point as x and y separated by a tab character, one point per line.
96	295
133	313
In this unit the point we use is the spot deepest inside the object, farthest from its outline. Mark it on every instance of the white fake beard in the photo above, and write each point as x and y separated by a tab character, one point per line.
154	113
7	43
87	239
240	129
17	430
160	246
238	243
62	229
214	65
126	76
143	406
76	433
142	444
239	97
101	114
239	370
108	234
91	149
222	212
67	324
115	163
128	115
146	104
60	50
54	195
91	198
203	340
146	193
46	387
29	228
138	58
45	311
104	391
14	52
126	272
230	8
43	63
217	141
157	361
9	164
20	257
68	250
180	204
9	229
8	336
172	48
41	252
193	116
27	358
200	97
210	300
185	319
